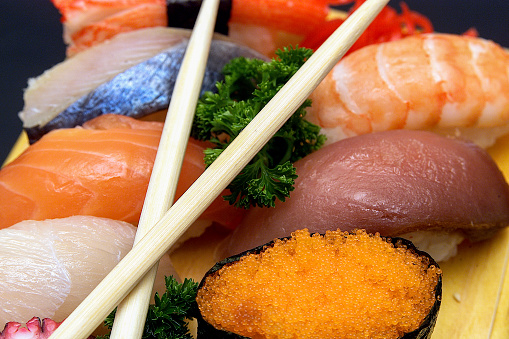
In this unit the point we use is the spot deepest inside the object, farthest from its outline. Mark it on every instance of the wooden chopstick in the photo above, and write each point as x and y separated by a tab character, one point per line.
116	285
131	313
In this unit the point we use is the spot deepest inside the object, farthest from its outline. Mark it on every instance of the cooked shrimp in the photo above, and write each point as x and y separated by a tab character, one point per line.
89	22
266	25
454	85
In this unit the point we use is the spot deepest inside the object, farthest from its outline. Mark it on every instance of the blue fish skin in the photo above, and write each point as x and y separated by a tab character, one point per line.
143	89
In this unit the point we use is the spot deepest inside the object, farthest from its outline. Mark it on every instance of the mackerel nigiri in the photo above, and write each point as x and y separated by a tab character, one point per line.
131	74
101	170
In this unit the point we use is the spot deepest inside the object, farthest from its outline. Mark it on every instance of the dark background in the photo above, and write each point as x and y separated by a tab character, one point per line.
31	42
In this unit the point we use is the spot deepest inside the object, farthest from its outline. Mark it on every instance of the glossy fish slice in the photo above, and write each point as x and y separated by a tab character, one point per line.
58	87
102	170
49	267
90	22
142	88
393	183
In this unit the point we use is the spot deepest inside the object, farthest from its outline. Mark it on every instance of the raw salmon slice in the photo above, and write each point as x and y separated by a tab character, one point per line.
101	170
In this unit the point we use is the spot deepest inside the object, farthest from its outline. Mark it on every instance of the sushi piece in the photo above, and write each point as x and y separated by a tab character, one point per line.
396	183
58	87
35	328
49	267
132	74
87	23
101	170
336	285
450	84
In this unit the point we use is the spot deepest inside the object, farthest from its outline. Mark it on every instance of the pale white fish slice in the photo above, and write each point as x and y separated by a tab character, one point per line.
68	257
209	185
131	313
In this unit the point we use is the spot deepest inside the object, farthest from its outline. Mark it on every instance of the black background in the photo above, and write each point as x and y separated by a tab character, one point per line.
31	42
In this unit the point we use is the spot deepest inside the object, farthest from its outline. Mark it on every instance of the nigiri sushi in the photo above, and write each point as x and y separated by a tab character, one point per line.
394	183
450	84
87	23
102	169
131	74
35	328
276	22
50	266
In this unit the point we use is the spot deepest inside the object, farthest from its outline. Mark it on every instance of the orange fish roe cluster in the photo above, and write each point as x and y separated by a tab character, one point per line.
341	285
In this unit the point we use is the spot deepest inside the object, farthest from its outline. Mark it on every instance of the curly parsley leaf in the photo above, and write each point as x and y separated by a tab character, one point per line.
166	319
248	86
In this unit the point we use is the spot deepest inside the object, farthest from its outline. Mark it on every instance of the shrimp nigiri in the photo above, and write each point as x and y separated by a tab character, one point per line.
101	170
454	85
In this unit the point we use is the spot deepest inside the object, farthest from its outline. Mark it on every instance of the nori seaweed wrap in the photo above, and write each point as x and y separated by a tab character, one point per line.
328	279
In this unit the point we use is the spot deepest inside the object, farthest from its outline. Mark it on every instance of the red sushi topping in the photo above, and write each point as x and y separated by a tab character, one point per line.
34	328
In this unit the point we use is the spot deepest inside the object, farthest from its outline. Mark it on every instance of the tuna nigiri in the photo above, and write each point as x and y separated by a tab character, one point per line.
101	170
49	267
394	183
132	74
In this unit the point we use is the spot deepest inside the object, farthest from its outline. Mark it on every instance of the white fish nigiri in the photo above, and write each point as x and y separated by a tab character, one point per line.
48	267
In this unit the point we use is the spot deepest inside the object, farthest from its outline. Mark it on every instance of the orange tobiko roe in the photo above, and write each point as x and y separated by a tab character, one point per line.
341	285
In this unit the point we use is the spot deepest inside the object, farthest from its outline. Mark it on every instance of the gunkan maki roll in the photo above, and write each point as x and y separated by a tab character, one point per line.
336	285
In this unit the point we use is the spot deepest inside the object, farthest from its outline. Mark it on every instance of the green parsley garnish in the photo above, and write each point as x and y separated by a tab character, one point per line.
248	86
166	319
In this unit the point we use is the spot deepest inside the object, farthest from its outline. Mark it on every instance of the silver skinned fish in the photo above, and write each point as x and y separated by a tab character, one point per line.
137	91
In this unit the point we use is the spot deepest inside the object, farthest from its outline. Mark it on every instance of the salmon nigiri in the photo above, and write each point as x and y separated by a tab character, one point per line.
102	170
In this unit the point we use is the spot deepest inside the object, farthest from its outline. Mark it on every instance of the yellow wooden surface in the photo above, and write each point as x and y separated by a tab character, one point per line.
500	326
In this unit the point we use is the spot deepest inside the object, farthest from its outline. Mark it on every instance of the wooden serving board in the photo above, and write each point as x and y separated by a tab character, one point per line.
475	300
